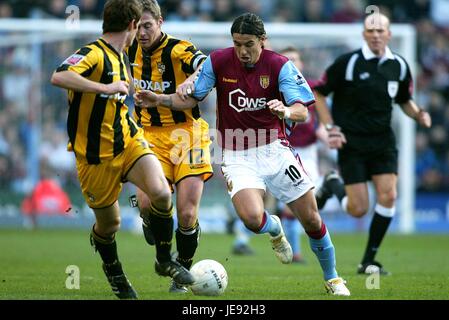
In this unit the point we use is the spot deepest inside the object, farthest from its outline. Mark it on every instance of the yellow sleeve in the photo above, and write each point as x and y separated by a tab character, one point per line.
191	58
83	62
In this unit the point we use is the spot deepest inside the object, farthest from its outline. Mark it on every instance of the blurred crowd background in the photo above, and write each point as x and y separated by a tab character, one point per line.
430	17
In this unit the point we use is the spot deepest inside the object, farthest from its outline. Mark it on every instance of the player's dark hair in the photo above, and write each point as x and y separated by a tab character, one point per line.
249	23
152	7
117	14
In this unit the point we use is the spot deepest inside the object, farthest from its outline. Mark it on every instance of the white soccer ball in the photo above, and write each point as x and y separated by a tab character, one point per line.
211	278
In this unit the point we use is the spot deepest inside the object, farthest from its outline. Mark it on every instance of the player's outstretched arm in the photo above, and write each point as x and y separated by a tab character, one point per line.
419	115
149	99
187	88
73	81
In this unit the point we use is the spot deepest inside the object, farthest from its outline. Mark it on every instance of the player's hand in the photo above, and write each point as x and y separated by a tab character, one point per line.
185	89
117	87
336	139
146	99
277	107
424	119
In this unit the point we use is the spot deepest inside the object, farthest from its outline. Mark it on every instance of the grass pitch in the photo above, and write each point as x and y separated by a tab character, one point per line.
33	266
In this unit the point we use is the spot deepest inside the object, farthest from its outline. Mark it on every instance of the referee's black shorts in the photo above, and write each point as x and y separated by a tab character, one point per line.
358	166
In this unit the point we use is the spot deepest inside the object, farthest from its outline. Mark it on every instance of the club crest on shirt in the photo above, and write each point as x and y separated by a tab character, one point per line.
264	81
161	67
393	87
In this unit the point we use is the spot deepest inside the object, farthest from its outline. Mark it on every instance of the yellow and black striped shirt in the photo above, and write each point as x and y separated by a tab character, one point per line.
98	125
161	69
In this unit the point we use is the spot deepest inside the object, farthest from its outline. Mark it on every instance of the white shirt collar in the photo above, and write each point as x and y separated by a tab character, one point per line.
368	54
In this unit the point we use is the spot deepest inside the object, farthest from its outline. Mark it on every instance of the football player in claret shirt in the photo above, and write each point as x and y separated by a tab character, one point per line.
303	138
257	90
109	146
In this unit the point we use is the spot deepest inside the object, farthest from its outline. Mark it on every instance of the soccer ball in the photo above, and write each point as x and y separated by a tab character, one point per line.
211	278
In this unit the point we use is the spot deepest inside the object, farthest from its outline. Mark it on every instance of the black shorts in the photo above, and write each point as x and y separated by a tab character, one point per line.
359	166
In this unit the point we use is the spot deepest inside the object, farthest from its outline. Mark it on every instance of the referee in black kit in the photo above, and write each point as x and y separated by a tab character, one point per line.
365	84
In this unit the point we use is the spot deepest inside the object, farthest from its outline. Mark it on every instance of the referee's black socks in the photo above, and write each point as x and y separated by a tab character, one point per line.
379	225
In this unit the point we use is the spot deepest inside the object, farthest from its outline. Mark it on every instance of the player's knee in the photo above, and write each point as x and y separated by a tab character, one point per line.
109	228
115	224
187	216
357	210
387	199
312	223
161	197
252	221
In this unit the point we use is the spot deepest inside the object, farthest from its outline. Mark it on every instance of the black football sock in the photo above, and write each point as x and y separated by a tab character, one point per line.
161	224
106	247
378	229
146	227
338	188
186	242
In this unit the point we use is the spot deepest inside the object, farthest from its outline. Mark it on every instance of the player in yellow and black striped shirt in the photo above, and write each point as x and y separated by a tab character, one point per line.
98	124
161	66
109	146
181	139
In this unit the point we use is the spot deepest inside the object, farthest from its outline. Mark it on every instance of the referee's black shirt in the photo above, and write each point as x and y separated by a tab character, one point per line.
364	89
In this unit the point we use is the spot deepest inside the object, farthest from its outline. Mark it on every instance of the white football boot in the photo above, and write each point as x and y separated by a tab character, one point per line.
337	287
281	246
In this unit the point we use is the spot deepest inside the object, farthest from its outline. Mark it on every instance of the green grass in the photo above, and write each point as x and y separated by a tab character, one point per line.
33	264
